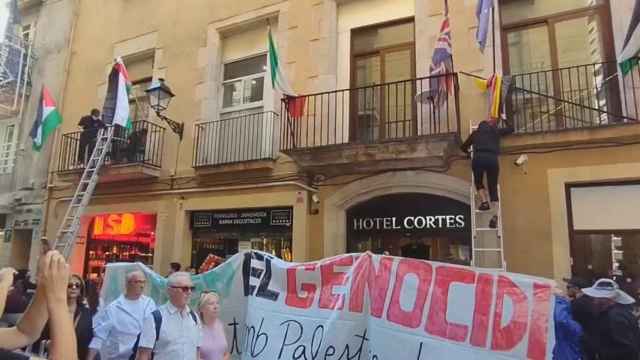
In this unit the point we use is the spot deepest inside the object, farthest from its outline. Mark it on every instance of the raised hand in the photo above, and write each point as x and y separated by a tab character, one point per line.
6	277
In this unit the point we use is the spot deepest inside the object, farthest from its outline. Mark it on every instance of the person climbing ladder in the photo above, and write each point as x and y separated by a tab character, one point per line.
485	144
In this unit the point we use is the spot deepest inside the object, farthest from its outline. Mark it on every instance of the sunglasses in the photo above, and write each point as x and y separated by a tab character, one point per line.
184	289
74	286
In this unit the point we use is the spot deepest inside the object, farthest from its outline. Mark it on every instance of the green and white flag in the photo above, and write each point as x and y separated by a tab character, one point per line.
47	120
278	79
629	56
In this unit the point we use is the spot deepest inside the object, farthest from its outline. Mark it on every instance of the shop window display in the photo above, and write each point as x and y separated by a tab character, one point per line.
225	233
122	237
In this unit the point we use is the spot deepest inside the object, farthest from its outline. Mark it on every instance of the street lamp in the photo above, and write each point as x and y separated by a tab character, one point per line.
160	96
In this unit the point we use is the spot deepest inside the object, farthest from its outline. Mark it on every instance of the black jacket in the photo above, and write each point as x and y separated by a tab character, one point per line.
90	126
486	138
82	319
618	334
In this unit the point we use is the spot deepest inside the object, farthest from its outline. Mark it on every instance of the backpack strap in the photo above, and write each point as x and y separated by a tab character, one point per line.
193	316
157	321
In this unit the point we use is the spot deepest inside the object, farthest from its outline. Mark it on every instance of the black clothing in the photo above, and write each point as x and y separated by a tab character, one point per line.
82	320
10	355
618	334
486	163
584	313
486	138
486	148
90	128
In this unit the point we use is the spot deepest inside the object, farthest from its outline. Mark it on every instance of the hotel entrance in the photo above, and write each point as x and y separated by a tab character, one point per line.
415	225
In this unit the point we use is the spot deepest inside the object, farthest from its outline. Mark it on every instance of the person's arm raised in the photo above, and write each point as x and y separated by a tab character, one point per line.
63	336
30	326
6	280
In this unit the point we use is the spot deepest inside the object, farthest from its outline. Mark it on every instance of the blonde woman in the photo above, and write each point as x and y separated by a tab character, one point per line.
214	343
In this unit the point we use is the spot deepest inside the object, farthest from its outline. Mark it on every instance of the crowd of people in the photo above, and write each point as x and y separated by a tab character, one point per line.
595	322
59	323
592	321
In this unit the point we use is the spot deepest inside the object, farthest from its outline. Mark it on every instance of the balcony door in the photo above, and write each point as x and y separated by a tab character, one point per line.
382	100
563	55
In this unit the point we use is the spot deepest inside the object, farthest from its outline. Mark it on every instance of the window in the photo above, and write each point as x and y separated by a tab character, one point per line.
139	100
605	233
243	83
7	148
140	69
518	10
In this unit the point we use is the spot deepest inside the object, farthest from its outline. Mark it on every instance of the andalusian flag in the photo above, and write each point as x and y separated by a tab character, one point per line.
278	80
631	47
116	104
47	120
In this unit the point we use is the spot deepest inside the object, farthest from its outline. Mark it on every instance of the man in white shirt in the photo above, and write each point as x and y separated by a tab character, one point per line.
177	326
117	326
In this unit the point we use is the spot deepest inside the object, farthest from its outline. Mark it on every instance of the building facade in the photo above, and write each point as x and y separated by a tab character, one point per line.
41	54
354	162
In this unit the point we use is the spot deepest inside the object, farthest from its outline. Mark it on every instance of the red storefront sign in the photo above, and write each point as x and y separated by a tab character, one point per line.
139	227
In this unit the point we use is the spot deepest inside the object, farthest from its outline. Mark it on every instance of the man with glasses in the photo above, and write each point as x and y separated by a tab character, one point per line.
117	326
173	331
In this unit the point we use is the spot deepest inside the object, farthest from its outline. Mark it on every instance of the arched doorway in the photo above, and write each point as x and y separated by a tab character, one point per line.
335	208
415	225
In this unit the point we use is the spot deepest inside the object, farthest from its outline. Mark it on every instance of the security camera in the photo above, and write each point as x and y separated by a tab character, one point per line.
521	160
315	198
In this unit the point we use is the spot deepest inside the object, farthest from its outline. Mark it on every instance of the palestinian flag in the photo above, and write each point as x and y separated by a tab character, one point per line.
631	47
116	104
278	80
47	120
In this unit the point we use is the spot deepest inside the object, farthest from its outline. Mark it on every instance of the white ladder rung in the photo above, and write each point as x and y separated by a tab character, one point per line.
488	249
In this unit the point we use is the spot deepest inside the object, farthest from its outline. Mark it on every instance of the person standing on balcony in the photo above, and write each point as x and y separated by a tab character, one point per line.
90	125
486	148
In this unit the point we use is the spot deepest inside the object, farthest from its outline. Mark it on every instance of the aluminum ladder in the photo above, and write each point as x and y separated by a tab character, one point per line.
487	244
66	236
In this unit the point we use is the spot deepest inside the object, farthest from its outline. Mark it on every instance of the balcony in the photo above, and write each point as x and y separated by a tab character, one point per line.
574	98
18	59
247	142
134	153
374	127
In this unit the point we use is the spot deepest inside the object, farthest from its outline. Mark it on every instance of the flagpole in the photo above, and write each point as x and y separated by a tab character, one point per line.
446	15
493	35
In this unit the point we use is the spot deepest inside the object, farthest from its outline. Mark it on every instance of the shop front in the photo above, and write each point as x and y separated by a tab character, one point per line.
416	225
117	237
226	232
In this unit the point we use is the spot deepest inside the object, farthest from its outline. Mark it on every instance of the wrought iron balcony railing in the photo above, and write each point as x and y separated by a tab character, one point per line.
372	114
142	144
576	97
237	139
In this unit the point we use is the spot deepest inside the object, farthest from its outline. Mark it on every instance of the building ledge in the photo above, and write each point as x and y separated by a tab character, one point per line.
240	166
414	152
114	173
618	133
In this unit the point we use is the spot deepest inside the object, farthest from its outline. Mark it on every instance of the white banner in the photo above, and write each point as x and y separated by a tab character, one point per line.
365	306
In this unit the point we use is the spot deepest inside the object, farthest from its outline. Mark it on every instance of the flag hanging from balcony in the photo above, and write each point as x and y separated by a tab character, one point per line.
631	47
116	104
278	79
47	120
483	14
441	63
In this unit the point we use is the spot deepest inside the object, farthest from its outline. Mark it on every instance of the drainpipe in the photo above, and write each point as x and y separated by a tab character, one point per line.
50	176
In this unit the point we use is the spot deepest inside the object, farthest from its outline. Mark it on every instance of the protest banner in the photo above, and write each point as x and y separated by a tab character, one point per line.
366	306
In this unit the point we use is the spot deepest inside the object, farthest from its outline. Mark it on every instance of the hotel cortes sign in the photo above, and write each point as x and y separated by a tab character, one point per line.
409	223
409	212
